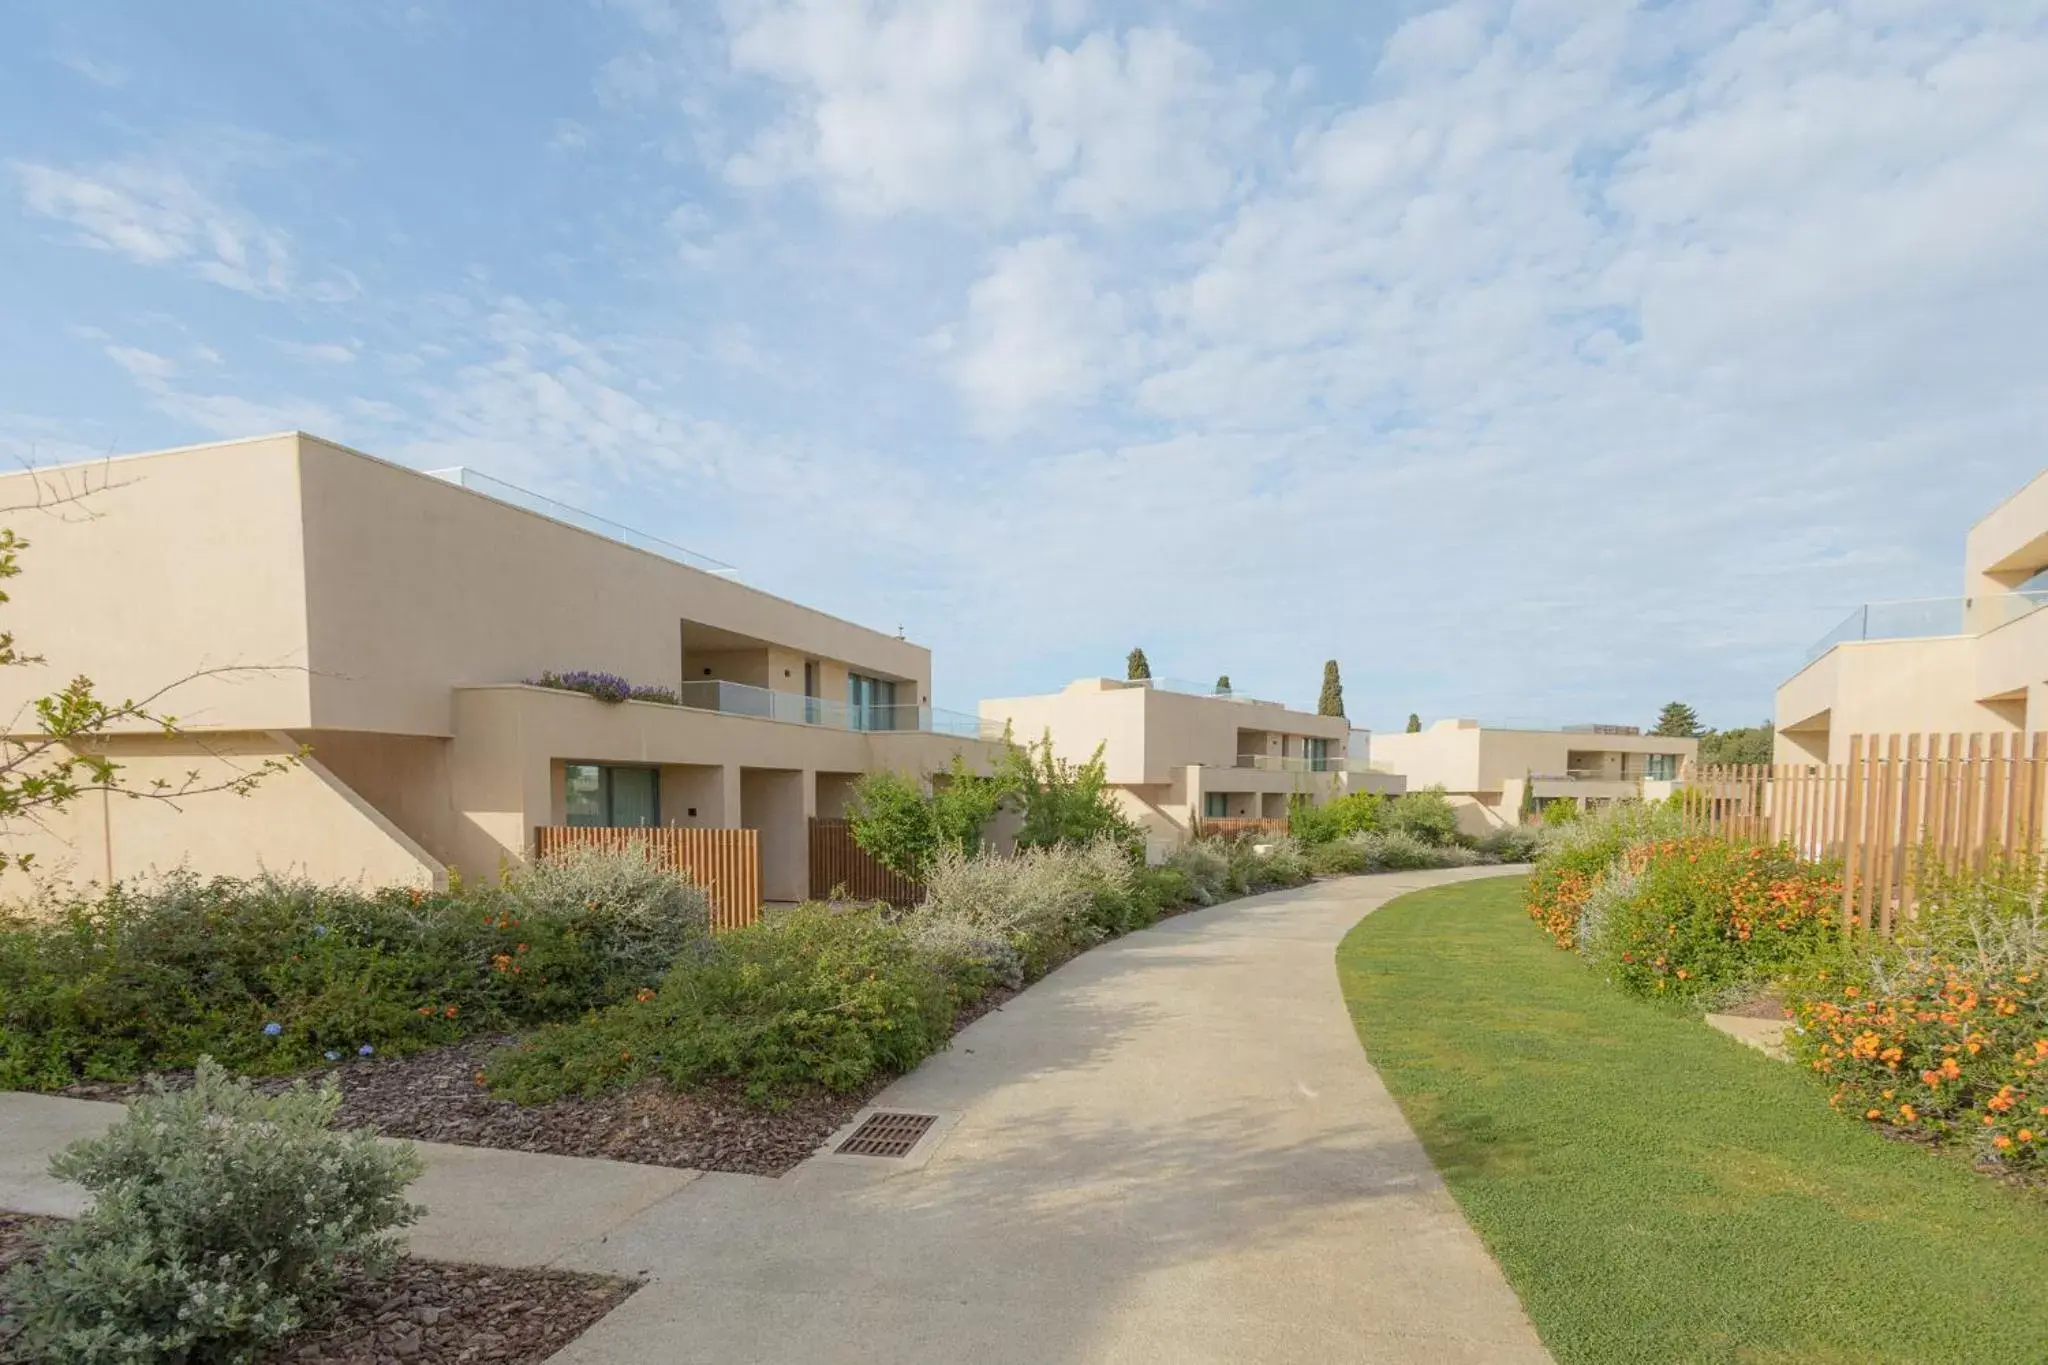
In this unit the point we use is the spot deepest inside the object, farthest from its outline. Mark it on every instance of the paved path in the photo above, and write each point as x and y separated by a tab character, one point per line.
484	1207
1172	1150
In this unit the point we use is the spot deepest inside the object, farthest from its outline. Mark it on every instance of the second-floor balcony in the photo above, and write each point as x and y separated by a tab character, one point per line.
1300	763
1921	617
794	708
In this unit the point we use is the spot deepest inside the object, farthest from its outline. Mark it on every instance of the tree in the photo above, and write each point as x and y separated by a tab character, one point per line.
1223	685
1677	721
1331	703
903	827
1745	744
45	769
1066	803
1414	723
1136	666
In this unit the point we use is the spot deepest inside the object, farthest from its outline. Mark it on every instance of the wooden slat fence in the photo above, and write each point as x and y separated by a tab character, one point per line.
1902	805
1231	828
841	866
725	862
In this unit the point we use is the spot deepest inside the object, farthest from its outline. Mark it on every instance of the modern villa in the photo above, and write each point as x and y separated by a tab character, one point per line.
1180	754
1974	664
388	623
1496	776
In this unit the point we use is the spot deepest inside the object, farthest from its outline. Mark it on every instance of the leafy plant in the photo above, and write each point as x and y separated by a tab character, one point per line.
1678	721
222	1220
1137	666
274	974
607	687
903	827
816	997
1427	815
1067	803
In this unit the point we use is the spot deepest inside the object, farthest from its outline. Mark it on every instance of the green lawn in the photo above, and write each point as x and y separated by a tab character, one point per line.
1657	1192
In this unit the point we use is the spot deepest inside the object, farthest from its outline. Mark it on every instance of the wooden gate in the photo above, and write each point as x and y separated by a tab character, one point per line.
725	862
838	864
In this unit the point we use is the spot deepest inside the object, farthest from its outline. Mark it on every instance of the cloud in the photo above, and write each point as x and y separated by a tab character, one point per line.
104	74
153	214
316	352
218	414
951	106
1039	331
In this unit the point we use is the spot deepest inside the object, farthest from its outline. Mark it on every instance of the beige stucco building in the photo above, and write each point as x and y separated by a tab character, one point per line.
1972	664
384	620
1494	775
1179	754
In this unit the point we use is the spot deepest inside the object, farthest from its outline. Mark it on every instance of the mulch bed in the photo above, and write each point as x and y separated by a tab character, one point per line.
436	1096
426	1313
1768	1006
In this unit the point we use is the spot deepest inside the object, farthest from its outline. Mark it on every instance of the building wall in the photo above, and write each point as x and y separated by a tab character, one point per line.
415	585
170	565
1485	770
1893	687
302	821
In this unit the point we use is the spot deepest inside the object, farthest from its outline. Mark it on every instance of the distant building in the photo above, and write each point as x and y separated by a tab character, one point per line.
1179	753
1495	776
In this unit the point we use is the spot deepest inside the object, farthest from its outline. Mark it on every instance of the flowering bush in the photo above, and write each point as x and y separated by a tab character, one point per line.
604	686
1576	856
1700	914
1944	1035
274	974
221	1221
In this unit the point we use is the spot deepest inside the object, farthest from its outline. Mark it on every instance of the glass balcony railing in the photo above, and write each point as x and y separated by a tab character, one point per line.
1298	763
1193	689
741	699
541	505
1922	617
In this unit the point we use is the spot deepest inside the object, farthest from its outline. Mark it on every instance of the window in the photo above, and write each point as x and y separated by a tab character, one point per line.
601	797
1661	767
1318	755
1215	805
870	702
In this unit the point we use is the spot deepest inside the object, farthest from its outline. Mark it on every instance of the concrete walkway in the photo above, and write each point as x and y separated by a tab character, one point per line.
1172	1150
484	1207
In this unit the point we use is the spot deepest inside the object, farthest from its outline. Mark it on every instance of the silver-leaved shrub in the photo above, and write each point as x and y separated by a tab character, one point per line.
221	1221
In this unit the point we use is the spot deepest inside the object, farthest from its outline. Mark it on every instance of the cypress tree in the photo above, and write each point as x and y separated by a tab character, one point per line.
1331	703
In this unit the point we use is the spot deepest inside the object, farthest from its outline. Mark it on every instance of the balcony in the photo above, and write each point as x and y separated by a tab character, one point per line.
543	506
1915	618
1290	763
1192	689
793	708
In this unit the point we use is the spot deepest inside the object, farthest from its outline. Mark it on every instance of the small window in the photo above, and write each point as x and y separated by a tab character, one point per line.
596	796
1661	767
1215	805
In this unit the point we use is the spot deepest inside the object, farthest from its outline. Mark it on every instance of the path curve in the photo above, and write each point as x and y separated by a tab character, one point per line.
1170	1151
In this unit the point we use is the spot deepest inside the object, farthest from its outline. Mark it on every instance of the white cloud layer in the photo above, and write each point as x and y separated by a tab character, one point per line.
1540	360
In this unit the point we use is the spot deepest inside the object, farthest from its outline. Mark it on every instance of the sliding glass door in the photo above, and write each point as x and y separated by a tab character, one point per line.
599	796
870	702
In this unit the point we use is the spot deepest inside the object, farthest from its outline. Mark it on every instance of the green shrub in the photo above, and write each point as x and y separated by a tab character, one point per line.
1396	850
1574	857
1206	865
221	1221
813	998
903	827
1337	859
275	974
1943	1033
1693	917
1338	818
1167	887
1427	815
1067	803
1511	843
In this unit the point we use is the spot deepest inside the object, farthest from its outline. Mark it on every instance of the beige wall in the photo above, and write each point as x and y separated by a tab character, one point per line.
301	821
171	565
1489	768
1911	686
2010	544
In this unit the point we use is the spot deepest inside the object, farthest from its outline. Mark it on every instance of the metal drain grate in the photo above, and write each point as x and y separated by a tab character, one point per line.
886	1134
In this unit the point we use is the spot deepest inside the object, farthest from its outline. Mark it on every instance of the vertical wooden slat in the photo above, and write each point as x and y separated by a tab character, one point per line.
2037	797
1937	800
725	862
1971	811
1994	797
1851	814
1910	828
1876	902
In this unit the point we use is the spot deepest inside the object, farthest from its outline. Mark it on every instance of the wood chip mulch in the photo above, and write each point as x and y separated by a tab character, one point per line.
426	1313
434	1096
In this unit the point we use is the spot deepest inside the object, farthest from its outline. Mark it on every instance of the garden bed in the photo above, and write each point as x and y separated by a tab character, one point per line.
426	1313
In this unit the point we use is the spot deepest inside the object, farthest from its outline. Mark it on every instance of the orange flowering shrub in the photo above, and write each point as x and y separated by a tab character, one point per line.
1577	857
1699	914
1944	1035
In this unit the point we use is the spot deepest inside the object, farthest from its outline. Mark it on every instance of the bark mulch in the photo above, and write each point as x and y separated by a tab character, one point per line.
426	1313
437	1096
